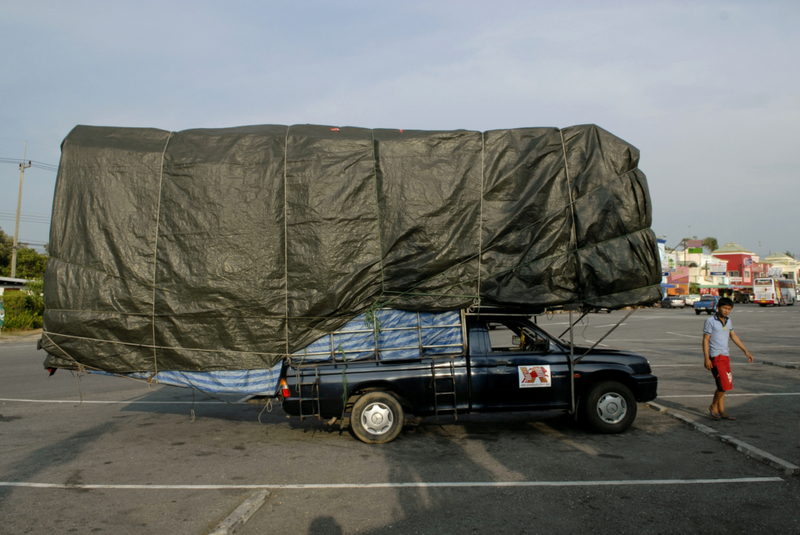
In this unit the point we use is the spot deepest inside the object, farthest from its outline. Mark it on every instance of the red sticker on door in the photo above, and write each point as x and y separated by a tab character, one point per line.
534	376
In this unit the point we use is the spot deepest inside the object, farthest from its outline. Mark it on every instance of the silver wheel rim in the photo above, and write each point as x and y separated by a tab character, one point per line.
611	408
377	418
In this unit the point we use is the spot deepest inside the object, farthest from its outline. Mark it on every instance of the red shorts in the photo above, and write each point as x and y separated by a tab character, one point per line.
721	370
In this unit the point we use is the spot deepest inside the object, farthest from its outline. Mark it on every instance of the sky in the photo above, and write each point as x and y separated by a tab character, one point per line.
709	92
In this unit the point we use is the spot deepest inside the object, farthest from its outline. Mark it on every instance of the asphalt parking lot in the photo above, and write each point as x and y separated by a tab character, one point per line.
103	454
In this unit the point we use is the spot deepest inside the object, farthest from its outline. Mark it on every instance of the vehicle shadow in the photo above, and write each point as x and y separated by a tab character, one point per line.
51	456
548	448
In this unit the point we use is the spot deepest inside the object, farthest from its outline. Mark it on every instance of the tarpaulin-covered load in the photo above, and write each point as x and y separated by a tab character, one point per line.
231	249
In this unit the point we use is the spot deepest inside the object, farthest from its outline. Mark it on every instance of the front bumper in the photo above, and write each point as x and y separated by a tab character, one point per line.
646	387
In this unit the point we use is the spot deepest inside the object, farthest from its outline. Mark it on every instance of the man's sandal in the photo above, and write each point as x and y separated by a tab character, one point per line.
726	417
714	415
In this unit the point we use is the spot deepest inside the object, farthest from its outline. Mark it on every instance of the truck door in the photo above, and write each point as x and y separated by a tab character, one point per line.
516	367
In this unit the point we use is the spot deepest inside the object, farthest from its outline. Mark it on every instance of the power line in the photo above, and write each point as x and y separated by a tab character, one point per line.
33	163
28	214
28	218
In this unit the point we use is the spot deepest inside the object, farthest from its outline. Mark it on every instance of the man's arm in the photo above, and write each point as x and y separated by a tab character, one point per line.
740	345
707	359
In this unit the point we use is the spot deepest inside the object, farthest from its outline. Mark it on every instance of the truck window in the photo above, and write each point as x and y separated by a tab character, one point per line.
515	337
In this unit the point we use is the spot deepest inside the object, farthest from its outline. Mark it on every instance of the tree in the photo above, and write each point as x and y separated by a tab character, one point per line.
788	253
711	243
6	246
30	264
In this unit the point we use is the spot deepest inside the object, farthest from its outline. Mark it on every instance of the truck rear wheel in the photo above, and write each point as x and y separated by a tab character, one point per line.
377	418
610	407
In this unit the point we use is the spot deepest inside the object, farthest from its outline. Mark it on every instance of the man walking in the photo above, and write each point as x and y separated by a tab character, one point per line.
718	328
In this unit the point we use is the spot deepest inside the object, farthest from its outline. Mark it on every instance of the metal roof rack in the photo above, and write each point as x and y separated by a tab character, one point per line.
476	310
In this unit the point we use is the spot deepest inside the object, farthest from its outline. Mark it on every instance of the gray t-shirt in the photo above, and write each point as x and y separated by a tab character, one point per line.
718	344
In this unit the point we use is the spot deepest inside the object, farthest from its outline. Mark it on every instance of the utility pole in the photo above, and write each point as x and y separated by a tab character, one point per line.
686	263
22	168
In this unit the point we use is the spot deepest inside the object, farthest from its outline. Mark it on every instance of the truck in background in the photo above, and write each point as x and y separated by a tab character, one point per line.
707	304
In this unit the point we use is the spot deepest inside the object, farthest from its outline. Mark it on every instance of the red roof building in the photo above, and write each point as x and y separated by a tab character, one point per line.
742	267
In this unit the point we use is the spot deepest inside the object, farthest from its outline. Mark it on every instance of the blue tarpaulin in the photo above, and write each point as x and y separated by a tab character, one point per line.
387	335
255	382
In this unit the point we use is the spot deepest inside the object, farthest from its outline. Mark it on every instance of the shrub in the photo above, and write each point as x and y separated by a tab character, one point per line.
23	309
14	303
26	320
36	300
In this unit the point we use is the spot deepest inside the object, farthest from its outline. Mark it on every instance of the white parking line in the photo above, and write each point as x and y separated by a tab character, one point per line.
655	317
626	340
413	484
119	402
592	341
686	335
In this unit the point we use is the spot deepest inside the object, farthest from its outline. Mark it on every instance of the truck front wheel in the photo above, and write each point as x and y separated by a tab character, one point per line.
377	418
610	407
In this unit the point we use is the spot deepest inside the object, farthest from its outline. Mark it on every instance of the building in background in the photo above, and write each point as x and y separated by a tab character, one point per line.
662	254
740	263
743	268
712	275
728	271
9	284
692	266
783	266
677	282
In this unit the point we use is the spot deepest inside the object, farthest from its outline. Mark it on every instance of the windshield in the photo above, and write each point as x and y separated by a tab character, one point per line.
556	328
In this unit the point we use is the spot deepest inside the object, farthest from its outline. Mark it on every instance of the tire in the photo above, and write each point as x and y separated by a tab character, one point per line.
697	312
377	418
609	407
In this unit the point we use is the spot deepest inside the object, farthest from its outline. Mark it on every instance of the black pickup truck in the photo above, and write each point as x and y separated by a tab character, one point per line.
509	364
